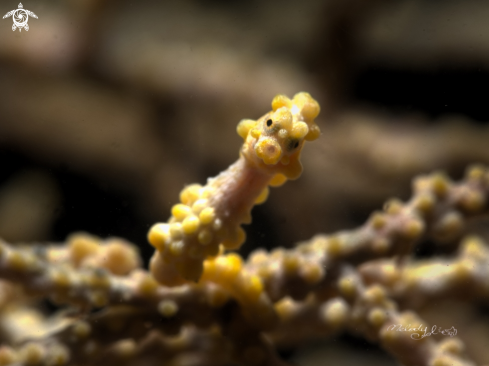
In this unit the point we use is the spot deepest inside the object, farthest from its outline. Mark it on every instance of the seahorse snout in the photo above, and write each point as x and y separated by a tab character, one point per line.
269	150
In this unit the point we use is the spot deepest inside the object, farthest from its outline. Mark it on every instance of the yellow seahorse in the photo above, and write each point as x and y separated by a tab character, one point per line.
210	216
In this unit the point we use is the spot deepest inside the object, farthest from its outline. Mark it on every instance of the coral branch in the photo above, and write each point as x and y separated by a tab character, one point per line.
291	294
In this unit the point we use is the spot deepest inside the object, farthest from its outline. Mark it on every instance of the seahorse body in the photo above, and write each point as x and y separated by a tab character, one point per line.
210	216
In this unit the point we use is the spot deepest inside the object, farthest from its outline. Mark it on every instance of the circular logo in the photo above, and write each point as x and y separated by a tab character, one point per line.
20	17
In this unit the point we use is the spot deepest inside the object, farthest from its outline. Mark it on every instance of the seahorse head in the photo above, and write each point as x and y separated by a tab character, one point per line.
274	141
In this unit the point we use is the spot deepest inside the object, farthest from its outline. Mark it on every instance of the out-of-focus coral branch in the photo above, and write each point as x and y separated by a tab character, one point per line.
463	277
439	208
368	311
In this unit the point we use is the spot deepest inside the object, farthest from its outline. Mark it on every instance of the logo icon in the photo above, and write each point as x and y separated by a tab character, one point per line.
20	16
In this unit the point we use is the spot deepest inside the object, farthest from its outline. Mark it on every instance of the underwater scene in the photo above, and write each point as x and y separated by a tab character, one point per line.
226	183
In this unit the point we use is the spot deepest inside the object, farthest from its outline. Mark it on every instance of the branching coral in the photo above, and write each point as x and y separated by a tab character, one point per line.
202	306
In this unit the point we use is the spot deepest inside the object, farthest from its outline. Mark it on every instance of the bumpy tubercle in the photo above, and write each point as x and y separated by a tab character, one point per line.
209	217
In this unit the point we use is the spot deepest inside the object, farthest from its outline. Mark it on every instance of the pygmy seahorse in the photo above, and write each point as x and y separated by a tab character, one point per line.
210	216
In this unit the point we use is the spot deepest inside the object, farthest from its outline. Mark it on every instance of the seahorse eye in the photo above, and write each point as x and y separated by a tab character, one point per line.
292	144
269	122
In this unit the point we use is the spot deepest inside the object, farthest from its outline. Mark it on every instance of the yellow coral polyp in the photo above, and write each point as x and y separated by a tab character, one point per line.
83	245
180	211
252	288
227	271
207	215
200	205
190	225
312	274
147	285
190	194
232	265
158	235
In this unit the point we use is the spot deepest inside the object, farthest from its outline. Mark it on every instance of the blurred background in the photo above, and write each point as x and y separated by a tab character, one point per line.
107	109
